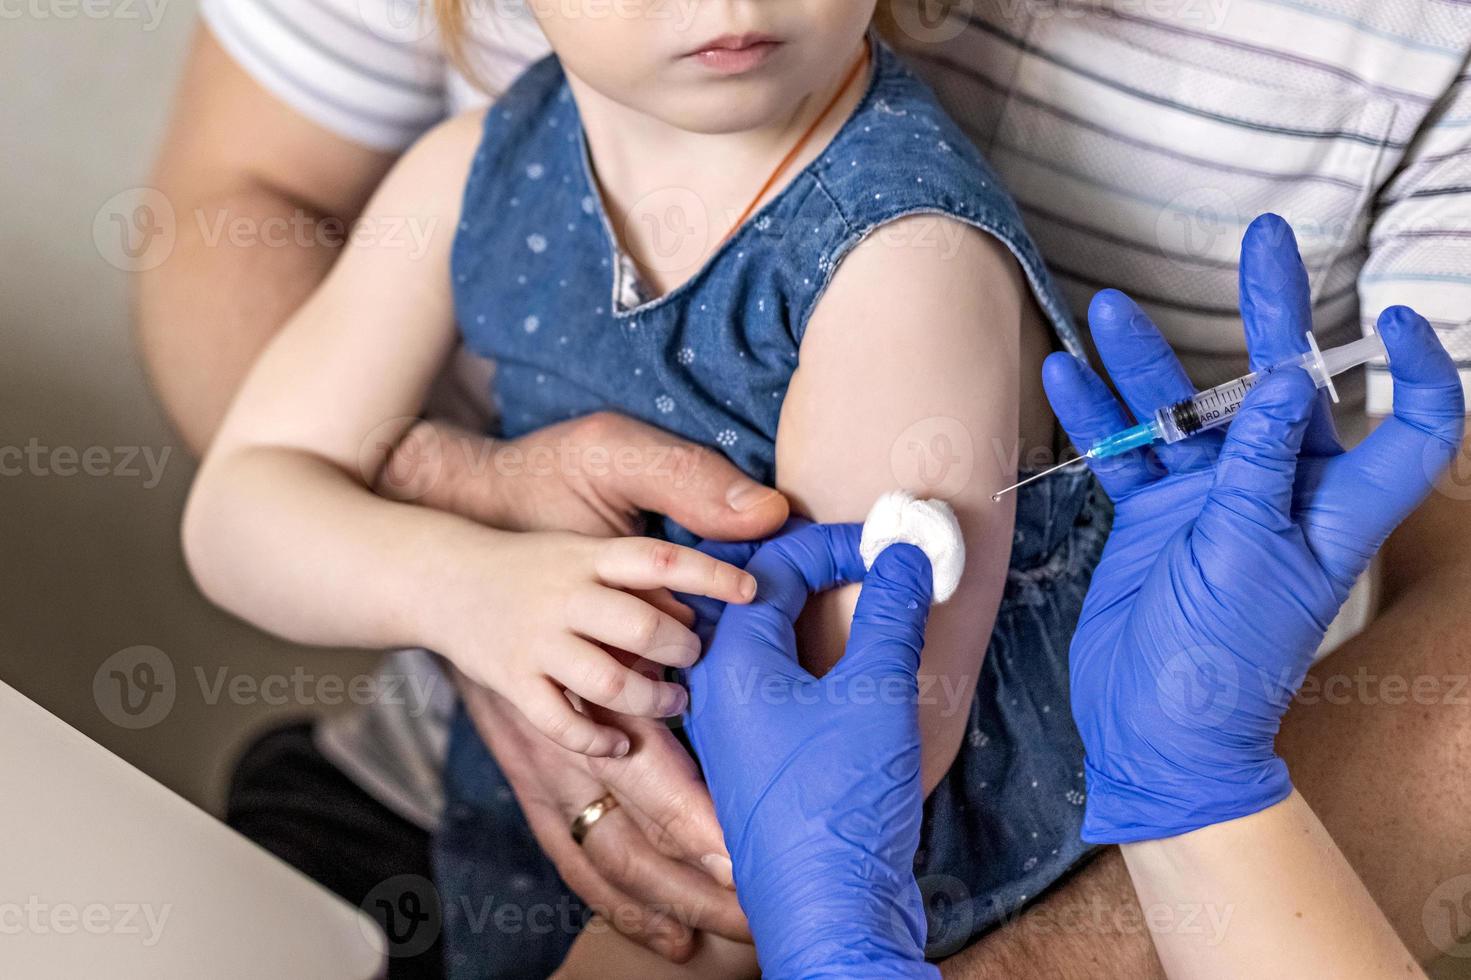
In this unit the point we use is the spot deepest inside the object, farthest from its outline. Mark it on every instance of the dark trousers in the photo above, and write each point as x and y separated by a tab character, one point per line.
287	797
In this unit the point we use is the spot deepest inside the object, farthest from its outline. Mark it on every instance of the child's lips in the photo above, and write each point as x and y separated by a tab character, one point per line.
736	55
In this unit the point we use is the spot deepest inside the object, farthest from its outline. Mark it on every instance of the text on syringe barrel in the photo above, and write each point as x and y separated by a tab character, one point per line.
1208	409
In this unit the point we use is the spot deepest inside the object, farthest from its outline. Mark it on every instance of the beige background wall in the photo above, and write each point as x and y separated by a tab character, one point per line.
89	564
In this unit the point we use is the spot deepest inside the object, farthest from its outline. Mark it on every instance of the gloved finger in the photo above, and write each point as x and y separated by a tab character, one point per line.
1146	372
893	609
1258	463
1427	388
1088	411
737	553
1398	464
812	559
1277	313
761	635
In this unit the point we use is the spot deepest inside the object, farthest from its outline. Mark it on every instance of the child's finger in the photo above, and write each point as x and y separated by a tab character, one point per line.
549	711
594	675
631	624
643	563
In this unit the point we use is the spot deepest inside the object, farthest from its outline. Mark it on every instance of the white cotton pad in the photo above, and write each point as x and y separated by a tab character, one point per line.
929	525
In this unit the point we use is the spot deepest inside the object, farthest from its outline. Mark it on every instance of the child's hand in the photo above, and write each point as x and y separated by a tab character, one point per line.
526	614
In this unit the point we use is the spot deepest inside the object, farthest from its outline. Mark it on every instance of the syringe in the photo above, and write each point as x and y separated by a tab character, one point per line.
1217	406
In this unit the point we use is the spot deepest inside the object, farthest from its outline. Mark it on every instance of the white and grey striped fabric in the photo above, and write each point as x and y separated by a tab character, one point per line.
373	71
1139	136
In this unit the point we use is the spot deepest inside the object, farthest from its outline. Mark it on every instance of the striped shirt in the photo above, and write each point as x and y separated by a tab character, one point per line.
1138	136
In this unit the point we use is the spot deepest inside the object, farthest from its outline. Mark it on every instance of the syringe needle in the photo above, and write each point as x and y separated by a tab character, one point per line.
996	497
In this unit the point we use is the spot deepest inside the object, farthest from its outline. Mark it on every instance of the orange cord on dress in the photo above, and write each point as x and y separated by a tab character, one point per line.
786	162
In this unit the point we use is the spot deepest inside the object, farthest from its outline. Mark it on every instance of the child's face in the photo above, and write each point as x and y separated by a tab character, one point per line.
708	66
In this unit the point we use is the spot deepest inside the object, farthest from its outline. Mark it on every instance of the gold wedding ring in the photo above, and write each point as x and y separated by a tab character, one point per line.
591	814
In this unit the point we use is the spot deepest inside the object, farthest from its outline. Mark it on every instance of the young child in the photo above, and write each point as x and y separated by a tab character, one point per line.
751	226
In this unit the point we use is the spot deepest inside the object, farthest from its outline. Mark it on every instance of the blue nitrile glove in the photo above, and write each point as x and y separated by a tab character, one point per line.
816	782
1230	554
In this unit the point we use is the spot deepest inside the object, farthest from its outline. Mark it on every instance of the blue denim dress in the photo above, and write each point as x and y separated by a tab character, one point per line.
540	287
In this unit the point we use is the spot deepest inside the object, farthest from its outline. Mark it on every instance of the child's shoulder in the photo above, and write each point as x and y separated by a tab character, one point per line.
900	153
536	110
536	93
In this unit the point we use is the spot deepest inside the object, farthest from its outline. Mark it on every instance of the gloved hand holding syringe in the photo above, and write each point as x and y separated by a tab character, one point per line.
1217	406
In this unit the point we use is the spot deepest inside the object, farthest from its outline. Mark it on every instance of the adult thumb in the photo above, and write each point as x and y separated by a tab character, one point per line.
892	612
694	485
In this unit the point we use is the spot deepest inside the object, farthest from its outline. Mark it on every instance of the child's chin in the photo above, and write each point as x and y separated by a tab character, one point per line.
730	106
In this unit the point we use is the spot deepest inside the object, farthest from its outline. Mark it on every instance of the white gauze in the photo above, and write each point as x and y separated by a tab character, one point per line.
929	525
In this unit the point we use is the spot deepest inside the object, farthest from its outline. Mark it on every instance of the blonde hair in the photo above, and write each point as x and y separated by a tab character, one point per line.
451	16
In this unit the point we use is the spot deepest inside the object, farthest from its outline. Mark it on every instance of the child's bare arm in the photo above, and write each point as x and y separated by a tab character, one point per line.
909	379
283	529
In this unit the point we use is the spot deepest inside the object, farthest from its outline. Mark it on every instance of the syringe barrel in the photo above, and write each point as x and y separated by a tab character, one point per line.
1208	409
1217	406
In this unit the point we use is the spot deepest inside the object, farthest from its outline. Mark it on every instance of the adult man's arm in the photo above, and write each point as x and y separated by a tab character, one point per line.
235	157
